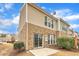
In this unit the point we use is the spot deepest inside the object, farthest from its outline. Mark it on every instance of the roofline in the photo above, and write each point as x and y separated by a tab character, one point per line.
71	30
42	10
64	21
22	7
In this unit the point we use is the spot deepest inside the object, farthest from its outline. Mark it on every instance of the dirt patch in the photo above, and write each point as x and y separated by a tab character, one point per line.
24	54
65	53
5	49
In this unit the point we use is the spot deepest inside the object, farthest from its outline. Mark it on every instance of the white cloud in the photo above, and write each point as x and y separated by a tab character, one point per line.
8	5
72	17
15	20
66	14
63	12
5	22
9	22
4	32
43	7
5	6
74	26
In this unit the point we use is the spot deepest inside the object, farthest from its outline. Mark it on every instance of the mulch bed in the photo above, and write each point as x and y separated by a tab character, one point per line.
58	48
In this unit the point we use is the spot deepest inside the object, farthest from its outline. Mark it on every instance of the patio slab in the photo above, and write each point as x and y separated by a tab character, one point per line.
43	51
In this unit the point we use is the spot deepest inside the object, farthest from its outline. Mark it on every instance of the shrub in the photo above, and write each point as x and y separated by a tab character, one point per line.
66	43
19	46
61	42
70	43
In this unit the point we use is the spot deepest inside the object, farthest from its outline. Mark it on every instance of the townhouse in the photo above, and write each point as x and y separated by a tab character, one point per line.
39	29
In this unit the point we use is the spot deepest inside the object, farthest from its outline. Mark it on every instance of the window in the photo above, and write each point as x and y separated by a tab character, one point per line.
48	39
64	28
49	24
52	24
51	39
45	20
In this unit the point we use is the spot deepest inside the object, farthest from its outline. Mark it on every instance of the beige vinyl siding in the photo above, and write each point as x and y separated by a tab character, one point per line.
63	25
22	17
37	17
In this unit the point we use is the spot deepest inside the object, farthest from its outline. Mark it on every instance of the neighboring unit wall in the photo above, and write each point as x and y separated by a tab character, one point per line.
62	28
70	33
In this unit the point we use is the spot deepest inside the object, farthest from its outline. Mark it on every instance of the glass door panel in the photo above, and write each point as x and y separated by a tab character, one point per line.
37	40
40	40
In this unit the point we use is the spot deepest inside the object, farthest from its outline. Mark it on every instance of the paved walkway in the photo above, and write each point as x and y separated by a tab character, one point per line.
43	51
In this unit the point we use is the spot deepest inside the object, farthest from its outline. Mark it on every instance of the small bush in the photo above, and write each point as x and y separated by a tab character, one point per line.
61	42
19	46
66	43
70	43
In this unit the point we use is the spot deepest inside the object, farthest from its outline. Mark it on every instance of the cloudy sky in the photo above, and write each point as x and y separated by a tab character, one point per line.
9	17
68	11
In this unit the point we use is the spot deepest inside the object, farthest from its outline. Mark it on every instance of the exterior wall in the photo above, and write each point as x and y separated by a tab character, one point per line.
70	33
32	29
37	17
23	27
60	34
22	17
23	35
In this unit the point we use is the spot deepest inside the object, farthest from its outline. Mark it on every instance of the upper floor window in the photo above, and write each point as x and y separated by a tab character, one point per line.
48	22
64	28
52	24
45	20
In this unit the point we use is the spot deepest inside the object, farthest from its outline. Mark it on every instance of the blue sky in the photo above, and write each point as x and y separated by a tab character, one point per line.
68	11
9	17
9	14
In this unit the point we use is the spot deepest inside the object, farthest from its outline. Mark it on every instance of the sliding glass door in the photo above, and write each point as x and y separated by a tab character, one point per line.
37	40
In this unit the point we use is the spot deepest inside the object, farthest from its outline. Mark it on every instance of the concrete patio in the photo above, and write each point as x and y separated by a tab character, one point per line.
43	51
